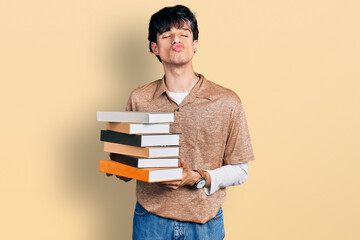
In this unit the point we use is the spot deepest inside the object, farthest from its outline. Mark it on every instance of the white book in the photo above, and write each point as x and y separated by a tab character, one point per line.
158	162
136	117
163	152
138	128
165	174
160	140
145	152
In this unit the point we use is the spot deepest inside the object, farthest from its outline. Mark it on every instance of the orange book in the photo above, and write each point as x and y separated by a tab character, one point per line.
142	174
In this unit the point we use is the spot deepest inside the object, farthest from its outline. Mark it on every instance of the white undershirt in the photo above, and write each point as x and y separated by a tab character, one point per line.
225	176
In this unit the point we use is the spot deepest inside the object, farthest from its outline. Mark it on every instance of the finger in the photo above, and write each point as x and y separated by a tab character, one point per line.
109	174
171	182
182	163
171	186
125	179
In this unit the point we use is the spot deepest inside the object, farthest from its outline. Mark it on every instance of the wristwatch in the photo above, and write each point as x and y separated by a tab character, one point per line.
200	183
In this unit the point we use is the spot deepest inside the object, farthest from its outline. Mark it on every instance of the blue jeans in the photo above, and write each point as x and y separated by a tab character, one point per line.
148	226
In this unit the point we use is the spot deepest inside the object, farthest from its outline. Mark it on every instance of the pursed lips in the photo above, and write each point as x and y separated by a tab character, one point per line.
177	47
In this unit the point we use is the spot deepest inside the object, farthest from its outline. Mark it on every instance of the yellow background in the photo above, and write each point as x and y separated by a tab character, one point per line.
295	65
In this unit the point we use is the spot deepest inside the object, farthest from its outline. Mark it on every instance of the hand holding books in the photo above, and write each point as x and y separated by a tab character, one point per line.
189	178
125	179
179	183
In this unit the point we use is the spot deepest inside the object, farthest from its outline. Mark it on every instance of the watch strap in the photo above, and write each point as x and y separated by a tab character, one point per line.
202	174
202	177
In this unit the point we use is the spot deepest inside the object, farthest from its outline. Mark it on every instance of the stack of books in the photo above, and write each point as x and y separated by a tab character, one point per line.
140	146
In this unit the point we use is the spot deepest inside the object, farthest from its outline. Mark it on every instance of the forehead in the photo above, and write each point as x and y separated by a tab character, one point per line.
181	25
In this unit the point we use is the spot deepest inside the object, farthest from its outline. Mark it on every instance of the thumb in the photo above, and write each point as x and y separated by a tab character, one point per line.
182	163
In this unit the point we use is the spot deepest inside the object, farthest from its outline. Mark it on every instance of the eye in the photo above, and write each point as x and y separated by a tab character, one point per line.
184	35
165	37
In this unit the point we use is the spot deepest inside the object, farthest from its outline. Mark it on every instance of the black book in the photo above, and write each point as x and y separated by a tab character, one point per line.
145	162
148	140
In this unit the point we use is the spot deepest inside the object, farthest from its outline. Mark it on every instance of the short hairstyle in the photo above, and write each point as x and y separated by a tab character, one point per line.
168	17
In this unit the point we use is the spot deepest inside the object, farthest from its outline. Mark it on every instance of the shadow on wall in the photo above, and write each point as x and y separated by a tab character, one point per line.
131	59
109	201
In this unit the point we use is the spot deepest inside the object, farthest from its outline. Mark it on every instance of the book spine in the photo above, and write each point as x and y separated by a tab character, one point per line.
122	138
126	149
118	127
112	167
124	159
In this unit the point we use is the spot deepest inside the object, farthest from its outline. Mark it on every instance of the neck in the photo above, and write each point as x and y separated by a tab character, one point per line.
180	78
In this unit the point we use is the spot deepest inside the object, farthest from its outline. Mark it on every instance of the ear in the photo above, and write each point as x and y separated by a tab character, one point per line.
195	43
154	48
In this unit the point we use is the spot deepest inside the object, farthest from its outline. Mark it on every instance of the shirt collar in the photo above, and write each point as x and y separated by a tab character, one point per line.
200	90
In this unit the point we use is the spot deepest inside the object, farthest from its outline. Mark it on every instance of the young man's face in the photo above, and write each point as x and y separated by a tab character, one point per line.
175	46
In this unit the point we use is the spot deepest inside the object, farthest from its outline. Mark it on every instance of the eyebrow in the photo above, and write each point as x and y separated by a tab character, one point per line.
186	29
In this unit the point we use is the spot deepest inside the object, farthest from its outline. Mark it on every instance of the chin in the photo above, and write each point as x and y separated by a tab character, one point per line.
180	61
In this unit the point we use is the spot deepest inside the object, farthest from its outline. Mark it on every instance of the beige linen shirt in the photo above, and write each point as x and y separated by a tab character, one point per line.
214	132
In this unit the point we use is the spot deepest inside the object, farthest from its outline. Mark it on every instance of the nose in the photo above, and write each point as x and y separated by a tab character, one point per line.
176	39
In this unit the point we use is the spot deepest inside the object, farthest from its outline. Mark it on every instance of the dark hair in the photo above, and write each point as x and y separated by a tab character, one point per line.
168	17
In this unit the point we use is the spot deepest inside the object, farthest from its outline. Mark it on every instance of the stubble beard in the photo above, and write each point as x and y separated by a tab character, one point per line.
177	60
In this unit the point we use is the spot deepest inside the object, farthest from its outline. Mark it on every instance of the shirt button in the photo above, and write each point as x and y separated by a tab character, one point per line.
177	109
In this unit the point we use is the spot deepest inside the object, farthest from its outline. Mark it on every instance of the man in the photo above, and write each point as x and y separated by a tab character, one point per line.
215	142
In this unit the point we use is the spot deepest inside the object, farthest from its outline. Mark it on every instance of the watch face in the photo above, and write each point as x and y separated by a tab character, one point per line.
201	184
